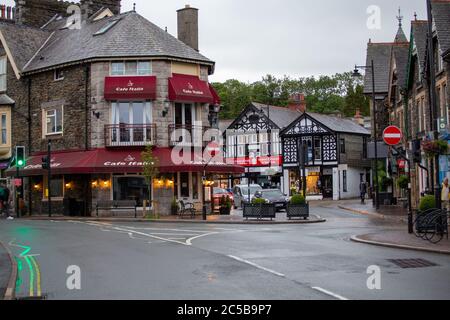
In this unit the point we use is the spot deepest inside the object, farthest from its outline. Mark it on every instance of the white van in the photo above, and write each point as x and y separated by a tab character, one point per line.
241	194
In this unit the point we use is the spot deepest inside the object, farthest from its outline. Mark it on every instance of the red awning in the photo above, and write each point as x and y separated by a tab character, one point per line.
122	161
215	95
126	88
184	88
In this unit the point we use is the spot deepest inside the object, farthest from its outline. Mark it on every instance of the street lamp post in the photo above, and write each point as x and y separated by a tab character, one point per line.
433	99
356	74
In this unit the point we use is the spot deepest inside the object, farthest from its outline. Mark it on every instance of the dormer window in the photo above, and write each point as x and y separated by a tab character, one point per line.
59	75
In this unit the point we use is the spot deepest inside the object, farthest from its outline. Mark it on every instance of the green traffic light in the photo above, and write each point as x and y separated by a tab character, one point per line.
20	163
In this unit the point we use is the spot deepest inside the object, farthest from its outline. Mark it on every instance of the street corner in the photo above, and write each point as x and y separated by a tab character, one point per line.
401	240
8	273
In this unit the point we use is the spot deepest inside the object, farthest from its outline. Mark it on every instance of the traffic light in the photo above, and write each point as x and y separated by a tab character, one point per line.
20	157
45	163
417	152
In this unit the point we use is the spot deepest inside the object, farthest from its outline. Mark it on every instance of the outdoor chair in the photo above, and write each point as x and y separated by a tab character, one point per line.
187	209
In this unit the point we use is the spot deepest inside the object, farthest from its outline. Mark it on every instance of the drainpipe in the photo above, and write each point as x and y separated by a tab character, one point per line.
30	192
86	106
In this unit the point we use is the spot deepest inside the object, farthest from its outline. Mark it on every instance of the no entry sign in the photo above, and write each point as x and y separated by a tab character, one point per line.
392	136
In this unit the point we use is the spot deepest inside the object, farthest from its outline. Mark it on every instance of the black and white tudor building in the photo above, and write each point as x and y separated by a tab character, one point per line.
336	151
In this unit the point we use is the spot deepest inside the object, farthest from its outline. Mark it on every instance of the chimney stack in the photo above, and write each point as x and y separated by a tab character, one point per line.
188	26
297	102
90	7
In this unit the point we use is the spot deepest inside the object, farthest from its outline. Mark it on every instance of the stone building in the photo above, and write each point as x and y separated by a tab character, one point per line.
403	79
100	86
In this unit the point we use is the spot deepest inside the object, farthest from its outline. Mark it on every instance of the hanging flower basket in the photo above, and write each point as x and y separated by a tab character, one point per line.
434	148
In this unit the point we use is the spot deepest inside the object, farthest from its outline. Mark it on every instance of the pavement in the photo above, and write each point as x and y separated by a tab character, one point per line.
392	213
190	261
5	270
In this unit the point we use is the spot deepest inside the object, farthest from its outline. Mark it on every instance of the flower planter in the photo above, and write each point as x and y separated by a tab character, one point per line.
297	211
224	211
259	211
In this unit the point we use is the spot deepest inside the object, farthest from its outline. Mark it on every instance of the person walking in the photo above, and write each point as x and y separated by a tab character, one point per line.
4	200
363	192
445	195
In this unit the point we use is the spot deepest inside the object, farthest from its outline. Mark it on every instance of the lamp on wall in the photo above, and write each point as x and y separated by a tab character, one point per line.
96	114
166	108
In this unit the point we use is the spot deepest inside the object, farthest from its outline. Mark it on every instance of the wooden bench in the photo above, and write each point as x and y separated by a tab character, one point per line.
117	205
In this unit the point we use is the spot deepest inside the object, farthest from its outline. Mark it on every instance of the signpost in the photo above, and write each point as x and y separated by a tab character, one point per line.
392	136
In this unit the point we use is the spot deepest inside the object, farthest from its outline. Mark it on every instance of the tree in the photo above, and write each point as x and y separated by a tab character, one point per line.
340	93
150	167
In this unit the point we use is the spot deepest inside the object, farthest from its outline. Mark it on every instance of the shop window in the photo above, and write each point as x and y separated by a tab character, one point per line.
57	187
131	68
344	180
4	128
54	121
131	188
3	67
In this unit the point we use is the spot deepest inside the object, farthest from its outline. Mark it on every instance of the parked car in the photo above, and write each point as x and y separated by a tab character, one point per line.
243	194
218	193
274	196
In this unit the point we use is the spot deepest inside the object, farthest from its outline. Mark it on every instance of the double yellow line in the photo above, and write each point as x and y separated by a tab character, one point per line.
33	270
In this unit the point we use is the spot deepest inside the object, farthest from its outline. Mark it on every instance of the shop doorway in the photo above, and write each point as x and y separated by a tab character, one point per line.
327	186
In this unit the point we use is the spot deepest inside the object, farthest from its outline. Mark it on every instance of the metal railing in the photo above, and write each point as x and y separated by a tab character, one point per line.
187	135
130	135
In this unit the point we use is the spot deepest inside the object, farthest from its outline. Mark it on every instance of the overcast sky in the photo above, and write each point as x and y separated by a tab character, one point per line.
251	38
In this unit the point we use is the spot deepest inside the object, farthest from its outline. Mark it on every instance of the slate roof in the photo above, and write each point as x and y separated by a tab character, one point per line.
441	15
339	125
281	116
380	53
401	55
132	36
224	125
400	37
419	31
23	42
5	100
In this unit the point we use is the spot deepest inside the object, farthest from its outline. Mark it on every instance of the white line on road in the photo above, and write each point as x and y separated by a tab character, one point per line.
257	266
189	241
334	295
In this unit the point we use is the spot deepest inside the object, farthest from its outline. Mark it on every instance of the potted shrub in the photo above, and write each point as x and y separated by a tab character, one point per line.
225	206
432	148
260	209
174	207
403	182
427	203
298	207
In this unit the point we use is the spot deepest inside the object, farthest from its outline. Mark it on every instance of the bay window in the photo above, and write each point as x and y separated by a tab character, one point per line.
131	68
4	128
132	122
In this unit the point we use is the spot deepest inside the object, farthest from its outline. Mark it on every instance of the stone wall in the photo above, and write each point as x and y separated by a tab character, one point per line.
36	13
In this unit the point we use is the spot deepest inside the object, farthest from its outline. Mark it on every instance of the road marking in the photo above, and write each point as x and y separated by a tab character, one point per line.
30	267
189	241
151	236
334	295
257	266
38	276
